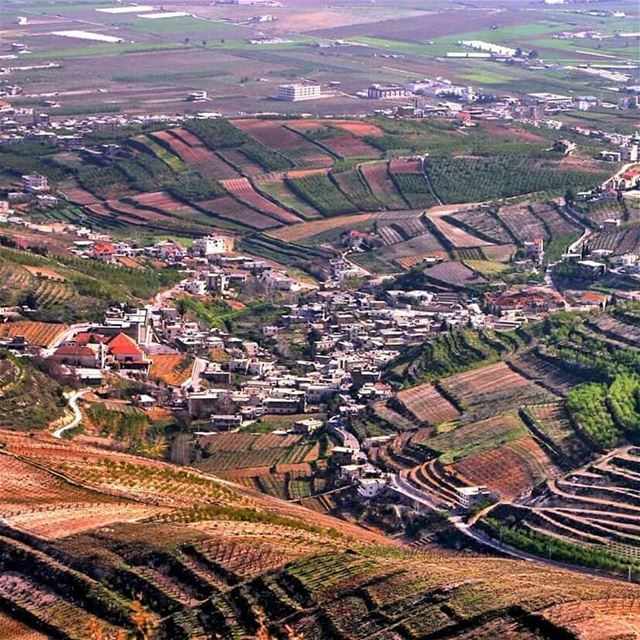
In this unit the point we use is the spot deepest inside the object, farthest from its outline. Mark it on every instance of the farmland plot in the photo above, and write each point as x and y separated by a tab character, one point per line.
229	208
454	274
194	153
619	241
482	224
377	176
492	389
276	188
356	190
552	420
428	405
346	146
474	437
455	236
307	230
40	334
557	224
323	194
522	222
414	188
242	189
241	162
276	135
511	470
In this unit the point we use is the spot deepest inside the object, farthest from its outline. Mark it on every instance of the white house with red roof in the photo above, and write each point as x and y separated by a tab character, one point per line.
126	353
103	251
76	355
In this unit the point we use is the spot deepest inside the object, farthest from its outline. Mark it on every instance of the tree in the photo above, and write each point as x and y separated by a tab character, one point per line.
533	54
569	196
182	307
519	52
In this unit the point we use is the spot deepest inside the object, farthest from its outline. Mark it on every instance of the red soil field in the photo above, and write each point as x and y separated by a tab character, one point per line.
456	236
358	129
510	470
246	166
230	209
494	377
41	334
405	165
347	146
273	134
243	190
381	185
14	630
163	201
355	128
79	196
276	135
195	154
428	405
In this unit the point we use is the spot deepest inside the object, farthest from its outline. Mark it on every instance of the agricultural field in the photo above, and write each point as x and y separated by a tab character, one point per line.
229	452
242	190
587	517
482	223
457	180
376	174
551	421
172	369
356	190
320	192
194	153
276	189
454	274
491	389
428	405
451	353
275	135
620	241
511	469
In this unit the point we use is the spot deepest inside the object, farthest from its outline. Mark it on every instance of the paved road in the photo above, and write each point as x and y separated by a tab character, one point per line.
403	486
77	416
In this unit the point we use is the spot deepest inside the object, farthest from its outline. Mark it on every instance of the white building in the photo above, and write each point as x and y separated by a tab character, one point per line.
371	487
213	245
34	183
297	92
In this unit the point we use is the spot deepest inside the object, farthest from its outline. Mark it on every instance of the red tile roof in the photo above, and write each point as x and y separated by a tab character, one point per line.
104	247
123	345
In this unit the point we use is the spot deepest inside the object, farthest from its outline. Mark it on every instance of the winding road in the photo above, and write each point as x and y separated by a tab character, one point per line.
77	415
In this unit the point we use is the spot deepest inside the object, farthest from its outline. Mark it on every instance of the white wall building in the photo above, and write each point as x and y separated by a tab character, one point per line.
297	92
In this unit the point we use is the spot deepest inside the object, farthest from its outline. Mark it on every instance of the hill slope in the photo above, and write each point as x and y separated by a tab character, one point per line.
85	531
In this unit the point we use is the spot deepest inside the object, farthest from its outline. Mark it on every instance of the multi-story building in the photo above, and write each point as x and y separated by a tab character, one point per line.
213	245
34	183
385	92
297	92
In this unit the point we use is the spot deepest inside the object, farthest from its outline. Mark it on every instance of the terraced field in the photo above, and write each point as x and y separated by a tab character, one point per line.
482	223
428	405
522	222
215	556
492	389
242	190
596	507
195	154
376	174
